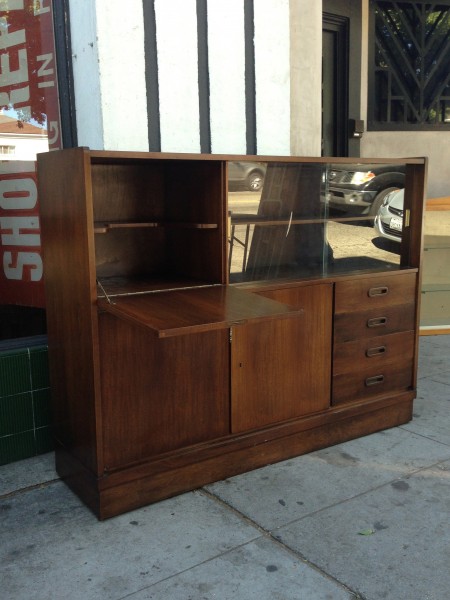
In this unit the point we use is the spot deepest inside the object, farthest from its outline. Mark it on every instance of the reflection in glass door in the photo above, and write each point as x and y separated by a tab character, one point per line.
288	229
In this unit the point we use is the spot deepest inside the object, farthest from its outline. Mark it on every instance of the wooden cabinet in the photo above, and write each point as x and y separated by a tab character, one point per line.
175	361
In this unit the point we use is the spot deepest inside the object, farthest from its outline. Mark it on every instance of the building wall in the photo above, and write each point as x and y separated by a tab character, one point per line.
198	75
224	77
26	147
434	145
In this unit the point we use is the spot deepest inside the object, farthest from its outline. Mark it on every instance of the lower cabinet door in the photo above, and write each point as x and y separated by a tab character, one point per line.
281	369
160	395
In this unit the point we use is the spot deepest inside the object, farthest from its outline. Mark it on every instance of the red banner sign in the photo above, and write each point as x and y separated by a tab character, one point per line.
29	92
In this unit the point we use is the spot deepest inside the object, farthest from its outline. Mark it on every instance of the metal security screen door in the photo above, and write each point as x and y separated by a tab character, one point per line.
410	65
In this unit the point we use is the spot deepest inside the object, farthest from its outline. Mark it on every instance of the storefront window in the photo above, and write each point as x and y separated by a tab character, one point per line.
29	124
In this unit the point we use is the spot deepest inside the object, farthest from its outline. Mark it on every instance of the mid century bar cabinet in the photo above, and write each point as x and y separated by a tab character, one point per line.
173	366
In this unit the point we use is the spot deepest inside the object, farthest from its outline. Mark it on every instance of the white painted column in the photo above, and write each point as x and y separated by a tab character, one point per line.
109	74
83	31
306	77
272	76
120	28
176	36
226	43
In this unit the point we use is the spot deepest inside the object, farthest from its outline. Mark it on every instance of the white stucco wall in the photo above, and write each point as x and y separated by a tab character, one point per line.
272	76
120	38
306	77
108	66
176	29
226	58
108	44
434	145
86	74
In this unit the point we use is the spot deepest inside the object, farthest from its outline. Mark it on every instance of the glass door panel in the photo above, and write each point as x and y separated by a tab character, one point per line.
291	225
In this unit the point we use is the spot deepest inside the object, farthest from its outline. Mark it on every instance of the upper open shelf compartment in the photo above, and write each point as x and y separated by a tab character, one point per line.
221	219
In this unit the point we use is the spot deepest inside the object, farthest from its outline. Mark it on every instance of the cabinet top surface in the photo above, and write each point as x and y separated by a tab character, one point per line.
113	155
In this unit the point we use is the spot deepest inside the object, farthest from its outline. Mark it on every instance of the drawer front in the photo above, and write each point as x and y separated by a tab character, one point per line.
367	355
374	292
377	321
377	381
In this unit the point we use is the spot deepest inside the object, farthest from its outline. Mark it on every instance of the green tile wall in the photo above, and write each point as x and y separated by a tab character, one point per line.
25	413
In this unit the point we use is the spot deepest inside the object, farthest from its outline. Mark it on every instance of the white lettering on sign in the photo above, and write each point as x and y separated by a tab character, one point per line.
15	231
53	127
39	9
7	77
44	72
15	97
46	59
18	194
8	39
14	5
14	265
20	237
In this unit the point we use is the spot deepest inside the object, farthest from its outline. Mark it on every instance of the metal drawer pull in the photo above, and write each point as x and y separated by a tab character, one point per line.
375	351
378	291
377	322
375	380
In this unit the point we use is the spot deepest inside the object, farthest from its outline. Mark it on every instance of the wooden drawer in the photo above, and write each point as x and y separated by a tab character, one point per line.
377	380
377	321
369	354
374	292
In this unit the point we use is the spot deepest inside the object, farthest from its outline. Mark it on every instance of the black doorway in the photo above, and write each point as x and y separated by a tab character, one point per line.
335	36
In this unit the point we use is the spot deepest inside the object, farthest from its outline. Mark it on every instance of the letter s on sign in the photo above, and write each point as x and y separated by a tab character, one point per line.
14	267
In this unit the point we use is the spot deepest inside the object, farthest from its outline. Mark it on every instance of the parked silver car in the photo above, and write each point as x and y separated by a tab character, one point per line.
389	219
247	175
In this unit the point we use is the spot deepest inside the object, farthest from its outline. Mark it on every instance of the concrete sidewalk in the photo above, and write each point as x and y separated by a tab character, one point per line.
364	519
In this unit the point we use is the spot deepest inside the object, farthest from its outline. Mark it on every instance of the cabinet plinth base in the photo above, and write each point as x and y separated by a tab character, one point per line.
162	477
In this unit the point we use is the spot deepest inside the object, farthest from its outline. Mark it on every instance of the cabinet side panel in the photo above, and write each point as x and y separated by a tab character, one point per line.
67	240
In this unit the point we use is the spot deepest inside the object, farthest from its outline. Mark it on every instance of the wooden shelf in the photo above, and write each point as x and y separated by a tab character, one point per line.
265	222
105	227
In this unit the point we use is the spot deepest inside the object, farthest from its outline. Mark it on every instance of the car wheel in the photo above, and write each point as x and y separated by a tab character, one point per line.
254	181
379	199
